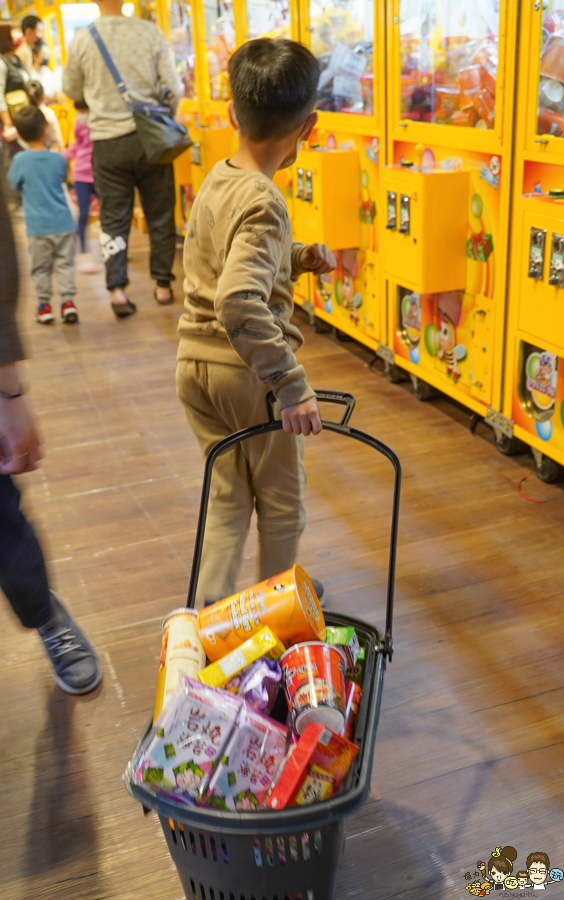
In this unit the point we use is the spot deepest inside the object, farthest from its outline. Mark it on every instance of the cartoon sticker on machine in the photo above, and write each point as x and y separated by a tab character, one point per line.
411	318
449	309
490	174
345	292
538	389
324	287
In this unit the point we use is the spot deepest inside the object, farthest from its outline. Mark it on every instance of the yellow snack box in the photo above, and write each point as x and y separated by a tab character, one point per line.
263	643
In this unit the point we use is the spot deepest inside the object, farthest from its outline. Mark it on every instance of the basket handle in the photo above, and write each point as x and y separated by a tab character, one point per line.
342	427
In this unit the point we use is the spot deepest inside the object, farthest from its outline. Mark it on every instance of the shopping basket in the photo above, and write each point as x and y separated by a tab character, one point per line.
290	854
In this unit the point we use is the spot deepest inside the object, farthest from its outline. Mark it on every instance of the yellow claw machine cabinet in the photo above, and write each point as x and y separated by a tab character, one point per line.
533	403
334	182
445	195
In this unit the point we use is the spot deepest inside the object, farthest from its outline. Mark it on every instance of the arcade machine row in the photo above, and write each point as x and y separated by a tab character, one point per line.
445	196
333	187
533	401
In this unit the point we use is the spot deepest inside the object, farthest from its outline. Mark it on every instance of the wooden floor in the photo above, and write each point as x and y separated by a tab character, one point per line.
469	754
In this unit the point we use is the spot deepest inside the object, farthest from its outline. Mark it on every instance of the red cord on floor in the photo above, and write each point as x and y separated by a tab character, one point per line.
524	496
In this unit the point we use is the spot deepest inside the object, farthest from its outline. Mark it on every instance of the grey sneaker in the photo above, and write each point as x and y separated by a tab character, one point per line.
319	590
74	659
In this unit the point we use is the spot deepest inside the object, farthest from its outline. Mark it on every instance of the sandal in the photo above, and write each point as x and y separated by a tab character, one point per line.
122	310
164	302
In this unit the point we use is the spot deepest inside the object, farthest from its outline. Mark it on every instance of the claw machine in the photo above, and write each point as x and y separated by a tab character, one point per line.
533	402
176	18
445	195
335	180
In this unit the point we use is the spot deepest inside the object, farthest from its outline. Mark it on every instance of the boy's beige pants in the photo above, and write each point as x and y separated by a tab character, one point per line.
266	474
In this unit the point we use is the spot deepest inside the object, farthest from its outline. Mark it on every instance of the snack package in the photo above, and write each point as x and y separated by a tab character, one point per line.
314	768
353	695
263	643
187	739
248	764
344	636
357	674
258	684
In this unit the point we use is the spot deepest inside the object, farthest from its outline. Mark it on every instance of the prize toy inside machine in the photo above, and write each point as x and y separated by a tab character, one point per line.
334	181
446	196
534	383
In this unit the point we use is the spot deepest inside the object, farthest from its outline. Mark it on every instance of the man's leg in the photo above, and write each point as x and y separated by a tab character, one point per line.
156	189
231	503
23	577
114	182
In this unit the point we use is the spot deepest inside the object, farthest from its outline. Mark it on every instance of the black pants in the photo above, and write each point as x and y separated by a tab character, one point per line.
23	577
120	166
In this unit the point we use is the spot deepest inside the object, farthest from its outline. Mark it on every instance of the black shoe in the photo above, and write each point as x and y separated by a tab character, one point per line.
319	590
122	310
74	659
164	302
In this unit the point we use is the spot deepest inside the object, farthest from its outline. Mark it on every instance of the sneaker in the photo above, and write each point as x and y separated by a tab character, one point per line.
69	312
44	314
74	659
319	590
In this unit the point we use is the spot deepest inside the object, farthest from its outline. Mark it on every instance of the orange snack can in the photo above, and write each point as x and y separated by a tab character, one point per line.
181	654
287	603
313	675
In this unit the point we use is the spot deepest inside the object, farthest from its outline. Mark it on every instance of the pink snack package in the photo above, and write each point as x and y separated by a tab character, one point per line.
248	764
187	739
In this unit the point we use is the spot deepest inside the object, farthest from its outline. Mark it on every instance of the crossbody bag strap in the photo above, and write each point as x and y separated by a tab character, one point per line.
112	68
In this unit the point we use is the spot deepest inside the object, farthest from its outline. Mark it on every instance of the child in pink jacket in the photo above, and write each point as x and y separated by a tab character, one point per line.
81	152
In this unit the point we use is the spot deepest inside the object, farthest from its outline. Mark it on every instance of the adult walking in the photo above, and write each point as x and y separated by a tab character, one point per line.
33	30
23	576
13	77
142	56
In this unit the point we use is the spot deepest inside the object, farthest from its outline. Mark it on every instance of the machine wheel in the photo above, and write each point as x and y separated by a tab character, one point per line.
320	326
342	337
393	373
508	446
421	390
547	469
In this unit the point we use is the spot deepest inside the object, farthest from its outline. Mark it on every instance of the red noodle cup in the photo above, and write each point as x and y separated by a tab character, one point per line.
314	681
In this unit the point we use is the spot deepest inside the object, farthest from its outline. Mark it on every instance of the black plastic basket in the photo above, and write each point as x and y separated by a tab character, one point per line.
289	854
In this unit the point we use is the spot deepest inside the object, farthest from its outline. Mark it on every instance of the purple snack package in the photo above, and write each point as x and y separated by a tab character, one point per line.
258	684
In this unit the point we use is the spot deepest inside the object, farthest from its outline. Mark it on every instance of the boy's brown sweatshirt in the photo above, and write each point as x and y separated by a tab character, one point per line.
239	266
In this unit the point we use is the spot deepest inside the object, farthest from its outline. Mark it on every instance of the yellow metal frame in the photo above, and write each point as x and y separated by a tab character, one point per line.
453	136
538	148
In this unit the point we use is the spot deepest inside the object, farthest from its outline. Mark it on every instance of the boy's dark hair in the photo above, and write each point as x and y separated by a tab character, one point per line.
80	104
539	857
274	86
30	22
35	91
30	123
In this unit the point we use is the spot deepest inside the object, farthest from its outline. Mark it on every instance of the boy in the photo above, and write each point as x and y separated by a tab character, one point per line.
39	175
236	338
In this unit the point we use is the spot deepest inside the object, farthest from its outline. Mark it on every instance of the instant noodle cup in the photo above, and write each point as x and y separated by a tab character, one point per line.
181	654
287	603
552	59
314	682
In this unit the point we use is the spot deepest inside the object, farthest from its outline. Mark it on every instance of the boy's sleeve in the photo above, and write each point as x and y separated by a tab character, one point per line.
243	289
15	175
297	268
